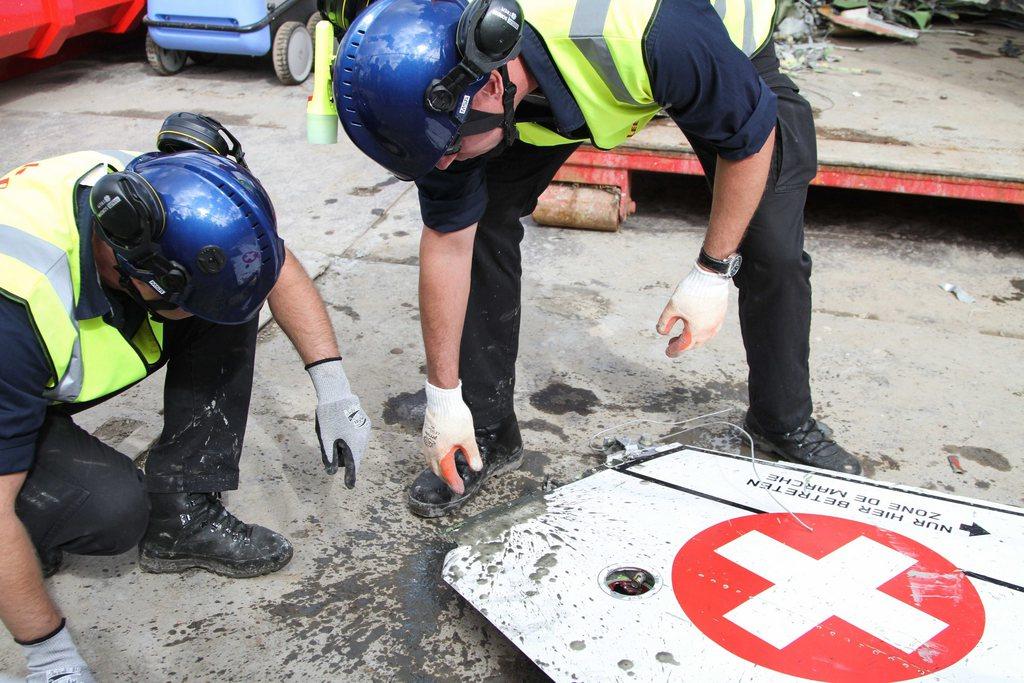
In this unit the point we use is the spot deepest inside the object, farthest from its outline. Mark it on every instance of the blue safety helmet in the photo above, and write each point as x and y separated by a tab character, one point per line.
197	227
407	71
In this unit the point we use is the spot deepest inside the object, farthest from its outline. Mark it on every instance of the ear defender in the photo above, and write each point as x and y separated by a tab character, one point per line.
185	131
489	35
128	210
130	218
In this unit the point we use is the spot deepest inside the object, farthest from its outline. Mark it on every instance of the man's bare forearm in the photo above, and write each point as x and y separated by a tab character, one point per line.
25	609
299	310
446	261
739	186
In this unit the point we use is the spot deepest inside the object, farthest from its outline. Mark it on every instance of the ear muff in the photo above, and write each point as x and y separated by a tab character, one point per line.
489	35
185	131
128	210
130	218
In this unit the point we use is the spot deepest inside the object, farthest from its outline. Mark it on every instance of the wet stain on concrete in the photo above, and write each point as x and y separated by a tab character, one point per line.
1016	296
559	398
541	425
332	200
846	314
852	135
373	189
334	597
226	118
871	465
708	393
347	310
968	52
406	410
535	463
983	456
982	484
575	303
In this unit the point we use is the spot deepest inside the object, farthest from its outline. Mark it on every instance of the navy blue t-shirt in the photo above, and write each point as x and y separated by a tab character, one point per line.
24	368
23	376
705	83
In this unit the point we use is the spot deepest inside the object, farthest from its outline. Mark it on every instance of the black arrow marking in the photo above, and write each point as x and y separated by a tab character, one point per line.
973	529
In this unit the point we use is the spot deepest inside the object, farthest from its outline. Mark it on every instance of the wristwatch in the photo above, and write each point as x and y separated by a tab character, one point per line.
727	268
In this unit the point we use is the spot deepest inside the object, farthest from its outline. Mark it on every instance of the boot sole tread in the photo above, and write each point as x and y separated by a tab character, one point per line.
162	565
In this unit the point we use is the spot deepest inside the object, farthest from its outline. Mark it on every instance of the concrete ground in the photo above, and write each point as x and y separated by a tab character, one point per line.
904	373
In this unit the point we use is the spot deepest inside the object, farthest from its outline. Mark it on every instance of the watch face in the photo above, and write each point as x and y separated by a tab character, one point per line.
734	262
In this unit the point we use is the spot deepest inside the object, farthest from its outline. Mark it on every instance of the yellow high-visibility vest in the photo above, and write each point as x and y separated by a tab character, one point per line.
597	46
40	269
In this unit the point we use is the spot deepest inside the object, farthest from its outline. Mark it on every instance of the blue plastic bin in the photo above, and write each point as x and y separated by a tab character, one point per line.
221	13
201	29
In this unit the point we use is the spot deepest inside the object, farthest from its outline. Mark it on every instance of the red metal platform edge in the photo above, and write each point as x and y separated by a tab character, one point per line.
589	166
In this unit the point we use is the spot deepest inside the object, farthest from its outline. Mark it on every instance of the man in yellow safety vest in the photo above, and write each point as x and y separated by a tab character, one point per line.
112	265
481	102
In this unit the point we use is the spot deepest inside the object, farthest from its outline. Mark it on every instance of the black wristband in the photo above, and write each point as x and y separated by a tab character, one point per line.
726	268
29	643
321	362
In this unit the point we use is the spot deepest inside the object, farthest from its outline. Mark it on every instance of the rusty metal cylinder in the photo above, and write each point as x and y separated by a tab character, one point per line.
589	207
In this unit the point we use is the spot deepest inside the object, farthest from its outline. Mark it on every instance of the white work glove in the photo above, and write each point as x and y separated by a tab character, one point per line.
341	425
56	659
447	428
699	301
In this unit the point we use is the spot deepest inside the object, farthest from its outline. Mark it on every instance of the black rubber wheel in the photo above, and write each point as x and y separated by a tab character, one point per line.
293	53
314	19
164	62
202	58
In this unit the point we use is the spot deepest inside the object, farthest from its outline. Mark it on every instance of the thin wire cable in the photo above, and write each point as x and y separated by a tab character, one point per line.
641	420
741	430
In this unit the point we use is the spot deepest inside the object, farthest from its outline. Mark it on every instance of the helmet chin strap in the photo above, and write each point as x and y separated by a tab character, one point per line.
508	124
152	307
483	122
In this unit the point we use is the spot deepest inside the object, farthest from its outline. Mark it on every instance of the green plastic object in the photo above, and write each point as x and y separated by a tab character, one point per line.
321	130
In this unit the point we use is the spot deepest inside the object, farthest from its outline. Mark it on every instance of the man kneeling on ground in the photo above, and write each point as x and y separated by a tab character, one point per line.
113	264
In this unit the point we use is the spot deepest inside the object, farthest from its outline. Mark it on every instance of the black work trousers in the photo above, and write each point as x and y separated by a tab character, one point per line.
84	497
774	281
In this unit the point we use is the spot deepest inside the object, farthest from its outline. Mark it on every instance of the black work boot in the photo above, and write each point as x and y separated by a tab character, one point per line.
50	561
809	444
501	449
194	531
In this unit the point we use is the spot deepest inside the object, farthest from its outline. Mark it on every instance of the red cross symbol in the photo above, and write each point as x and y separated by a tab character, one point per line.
845	602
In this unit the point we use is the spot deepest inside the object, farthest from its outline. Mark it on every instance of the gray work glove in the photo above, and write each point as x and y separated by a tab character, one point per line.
341	425
56	659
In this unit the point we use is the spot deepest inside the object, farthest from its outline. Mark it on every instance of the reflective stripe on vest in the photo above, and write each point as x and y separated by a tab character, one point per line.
587	32
51	262
597	46
39	268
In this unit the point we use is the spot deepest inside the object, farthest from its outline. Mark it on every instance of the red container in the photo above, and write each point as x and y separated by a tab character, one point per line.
36	29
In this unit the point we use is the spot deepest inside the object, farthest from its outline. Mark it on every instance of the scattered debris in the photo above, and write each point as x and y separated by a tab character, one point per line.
1009	49
954	464
959	292
864	19
804	26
